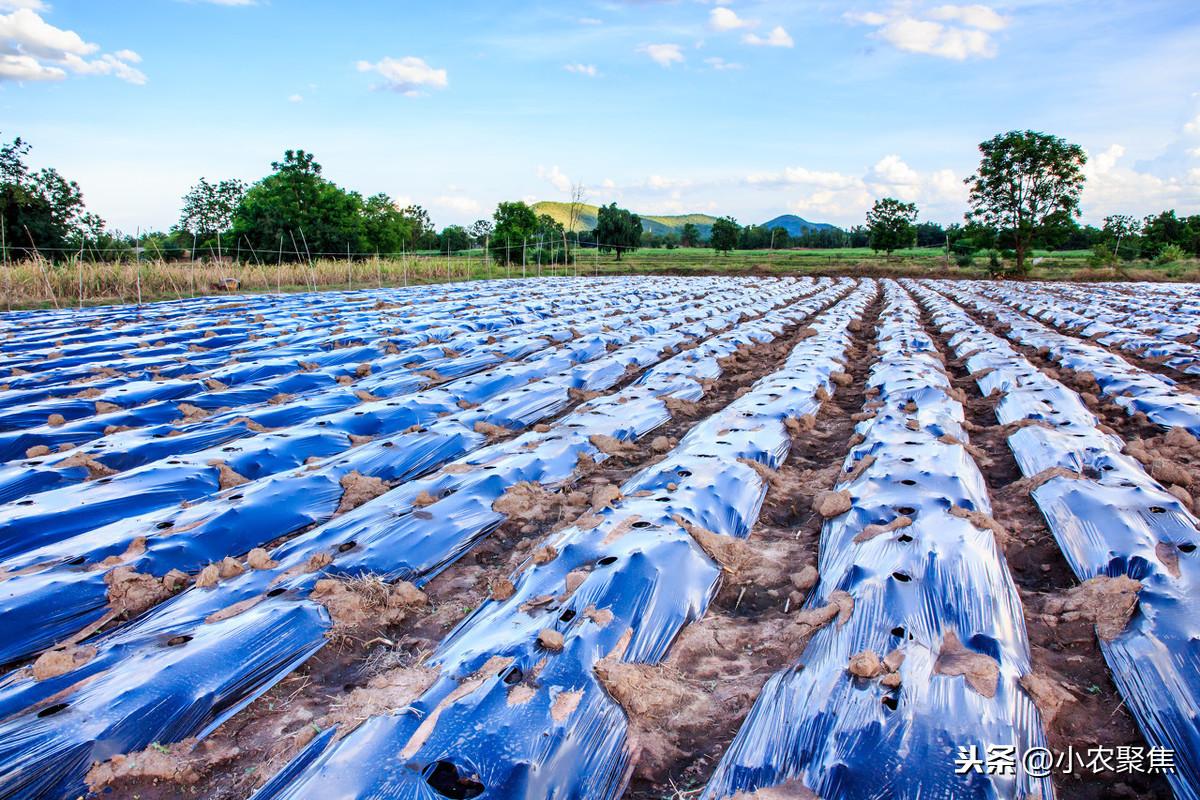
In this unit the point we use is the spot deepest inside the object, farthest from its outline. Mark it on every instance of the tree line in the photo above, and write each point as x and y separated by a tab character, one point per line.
1023	196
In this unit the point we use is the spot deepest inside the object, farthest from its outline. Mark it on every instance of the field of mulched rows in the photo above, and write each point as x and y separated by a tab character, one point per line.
605	538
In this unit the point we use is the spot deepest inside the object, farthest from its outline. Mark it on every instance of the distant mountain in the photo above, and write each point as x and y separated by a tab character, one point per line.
797	226
585	220
653	223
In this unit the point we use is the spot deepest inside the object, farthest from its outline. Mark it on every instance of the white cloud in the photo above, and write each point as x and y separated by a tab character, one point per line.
1113	188
32	49
24	31
948	31
296	98
843	195
720	64
590	21
106	64
663	54
555	177
408	75
1192	126
778	37
458	203
726	19
583	69
976	16
14	5
27	68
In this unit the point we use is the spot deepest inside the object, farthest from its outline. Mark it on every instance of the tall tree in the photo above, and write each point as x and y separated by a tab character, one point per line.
892	225
689	236
296	204
1121	229
724	236
1023	180
515	224
208	209
40	211
618	229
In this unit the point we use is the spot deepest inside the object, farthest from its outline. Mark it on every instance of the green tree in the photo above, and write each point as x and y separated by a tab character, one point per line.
689	236
725	232
208	210
617	229
1120	234
480	230
296	204
892	225
385	227
516	223
930	234
41	211
1024	179
454	239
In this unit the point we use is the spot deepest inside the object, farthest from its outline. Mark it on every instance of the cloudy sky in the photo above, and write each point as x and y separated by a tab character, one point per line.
741	107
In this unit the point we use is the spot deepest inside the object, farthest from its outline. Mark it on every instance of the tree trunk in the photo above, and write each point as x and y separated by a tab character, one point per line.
1020	247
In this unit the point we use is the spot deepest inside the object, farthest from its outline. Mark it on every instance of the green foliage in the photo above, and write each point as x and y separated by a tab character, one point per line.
296	210
892	225
208	210
930	234
515	225
1165	229
1102	256
995	266
689	236
1024	179
724	235
40	212
1169	255
619	229
454	239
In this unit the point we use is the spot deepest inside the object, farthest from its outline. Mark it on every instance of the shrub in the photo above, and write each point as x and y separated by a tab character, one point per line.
1102	256
1169	255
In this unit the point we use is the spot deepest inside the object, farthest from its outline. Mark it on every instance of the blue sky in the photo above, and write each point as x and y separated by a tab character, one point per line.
744	108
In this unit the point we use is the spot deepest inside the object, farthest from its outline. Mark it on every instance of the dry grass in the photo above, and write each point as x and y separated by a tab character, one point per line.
39	283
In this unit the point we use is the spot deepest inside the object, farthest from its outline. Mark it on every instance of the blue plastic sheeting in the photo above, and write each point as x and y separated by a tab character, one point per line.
63	585
55	515
393	358
179	671
1111	520
621	587
1163	401
915	590
1149	324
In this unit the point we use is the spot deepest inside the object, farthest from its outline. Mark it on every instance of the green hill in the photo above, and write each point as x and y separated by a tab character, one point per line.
586	221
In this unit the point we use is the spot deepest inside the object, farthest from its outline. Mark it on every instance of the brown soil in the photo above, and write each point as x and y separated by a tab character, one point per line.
1070	682
379	644
755	626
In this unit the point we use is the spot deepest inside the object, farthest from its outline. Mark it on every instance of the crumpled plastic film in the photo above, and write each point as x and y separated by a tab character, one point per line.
933	599
57	514
63	585
193	661
1158	397
1111	519
516	720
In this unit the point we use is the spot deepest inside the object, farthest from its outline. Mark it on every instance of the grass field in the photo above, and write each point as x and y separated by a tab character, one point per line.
38	284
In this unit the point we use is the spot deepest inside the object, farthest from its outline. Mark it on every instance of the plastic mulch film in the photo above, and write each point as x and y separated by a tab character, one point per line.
1111	520
924	660
1136	390
64	586
54	515
517	709
1147	324
195	660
